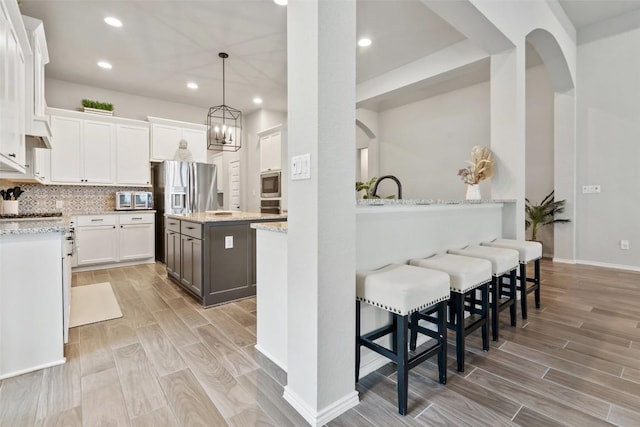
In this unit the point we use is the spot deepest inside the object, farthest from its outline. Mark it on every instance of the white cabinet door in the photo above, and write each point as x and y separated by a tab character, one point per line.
197	140
98	152
234	185
96	244
132	155
66	159
42	164
164	141
270	152
136	241
12	141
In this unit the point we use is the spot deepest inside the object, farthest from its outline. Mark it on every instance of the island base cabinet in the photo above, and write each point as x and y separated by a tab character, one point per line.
173	255
192	264
230	271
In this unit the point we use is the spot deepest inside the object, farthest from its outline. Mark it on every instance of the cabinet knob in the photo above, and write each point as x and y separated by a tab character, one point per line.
114	226
12	155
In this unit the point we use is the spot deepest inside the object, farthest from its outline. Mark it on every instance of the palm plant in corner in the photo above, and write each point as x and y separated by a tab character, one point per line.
543	214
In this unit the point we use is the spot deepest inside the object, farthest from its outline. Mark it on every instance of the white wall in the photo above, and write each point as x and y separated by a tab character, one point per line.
608	149
63	94
426	142
539	146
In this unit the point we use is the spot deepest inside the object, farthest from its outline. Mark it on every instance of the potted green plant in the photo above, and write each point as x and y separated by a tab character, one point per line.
367	187
97	107
543	213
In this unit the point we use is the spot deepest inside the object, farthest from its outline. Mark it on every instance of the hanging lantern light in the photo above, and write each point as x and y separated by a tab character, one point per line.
224	123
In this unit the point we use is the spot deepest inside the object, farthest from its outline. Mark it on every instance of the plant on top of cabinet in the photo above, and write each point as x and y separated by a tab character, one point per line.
97	107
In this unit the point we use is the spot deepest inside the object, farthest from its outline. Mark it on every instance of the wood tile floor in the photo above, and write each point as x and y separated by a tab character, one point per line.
169	362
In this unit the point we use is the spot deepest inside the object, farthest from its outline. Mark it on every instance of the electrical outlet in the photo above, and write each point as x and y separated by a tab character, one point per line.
590	189
624	244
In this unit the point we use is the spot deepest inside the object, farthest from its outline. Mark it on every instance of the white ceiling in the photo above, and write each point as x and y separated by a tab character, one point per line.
166	43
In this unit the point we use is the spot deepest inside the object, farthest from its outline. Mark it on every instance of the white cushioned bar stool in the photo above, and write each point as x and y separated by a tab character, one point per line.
466	276
504	263
403	290
527	252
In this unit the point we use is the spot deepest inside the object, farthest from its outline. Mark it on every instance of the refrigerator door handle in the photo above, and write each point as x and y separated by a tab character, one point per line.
191	185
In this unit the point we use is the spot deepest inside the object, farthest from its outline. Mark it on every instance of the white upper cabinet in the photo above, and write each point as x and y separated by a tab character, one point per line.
132	155
37	123
271	149
66	156
13	47
95	150
98	152
166	136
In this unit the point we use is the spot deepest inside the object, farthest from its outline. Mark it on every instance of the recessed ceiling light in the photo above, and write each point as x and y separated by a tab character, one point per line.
257	100
105	65
280	2
192	85
114	22
364	42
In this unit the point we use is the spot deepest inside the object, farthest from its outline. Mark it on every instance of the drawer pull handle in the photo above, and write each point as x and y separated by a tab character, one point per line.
12	155
136	218
97	220
190	228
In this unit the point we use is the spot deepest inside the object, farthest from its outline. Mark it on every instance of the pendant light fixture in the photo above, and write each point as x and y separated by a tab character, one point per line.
224	123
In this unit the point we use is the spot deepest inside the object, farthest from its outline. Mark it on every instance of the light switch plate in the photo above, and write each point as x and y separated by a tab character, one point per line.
228	242
590	189
301	167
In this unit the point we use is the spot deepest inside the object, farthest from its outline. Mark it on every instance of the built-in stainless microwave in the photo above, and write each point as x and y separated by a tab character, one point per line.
271	184
130	200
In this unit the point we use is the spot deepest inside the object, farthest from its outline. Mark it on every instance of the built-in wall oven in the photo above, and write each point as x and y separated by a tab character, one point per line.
271	184
270	206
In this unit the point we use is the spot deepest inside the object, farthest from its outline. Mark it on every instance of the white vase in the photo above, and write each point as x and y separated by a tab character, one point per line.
473	192
10	207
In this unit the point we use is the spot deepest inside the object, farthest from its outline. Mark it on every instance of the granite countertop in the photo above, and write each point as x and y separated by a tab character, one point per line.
278	227
424	202
209	217
31	226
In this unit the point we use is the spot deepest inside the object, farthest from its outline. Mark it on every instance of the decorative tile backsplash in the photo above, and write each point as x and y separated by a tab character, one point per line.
76	199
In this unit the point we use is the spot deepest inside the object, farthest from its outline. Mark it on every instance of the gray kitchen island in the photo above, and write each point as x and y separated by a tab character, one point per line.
212	255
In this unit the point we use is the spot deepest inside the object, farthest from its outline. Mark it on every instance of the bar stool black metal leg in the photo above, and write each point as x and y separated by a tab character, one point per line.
523	289
442	332
402	361
495	298
414	322
357	341
459	327
513	285
394	334
537	282
485	312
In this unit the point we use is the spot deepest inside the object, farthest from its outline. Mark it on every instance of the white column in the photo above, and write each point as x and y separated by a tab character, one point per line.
321	256
564	240
508	134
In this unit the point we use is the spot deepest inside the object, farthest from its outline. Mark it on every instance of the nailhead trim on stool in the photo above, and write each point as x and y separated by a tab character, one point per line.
467	275
527	251
403	290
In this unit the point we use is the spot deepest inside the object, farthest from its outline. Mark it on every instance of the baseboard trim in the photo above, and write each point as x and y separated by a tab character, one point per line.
268	355
34	368
112	265
564	261
608	265
328	413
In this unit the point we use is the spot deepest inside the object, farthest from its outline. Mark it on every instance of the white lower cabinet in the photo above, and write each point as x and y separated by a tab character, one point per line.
136	237
114	238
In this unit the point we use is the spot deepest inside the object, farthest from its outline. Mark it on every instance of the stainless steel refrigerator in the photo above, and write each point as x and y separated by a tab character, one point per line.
181	188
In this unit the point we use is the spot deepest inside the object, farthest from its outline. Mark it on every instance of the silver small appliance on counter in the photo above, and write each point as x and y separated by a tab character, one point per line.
133	200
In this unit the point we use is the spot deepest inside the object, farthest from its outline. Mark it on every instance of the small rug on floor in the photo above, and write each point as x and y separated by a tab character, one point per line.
93	303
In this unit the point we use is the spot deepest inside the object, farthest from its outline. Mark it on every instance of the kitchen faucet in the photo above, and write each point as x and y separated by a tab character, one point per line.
375	186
